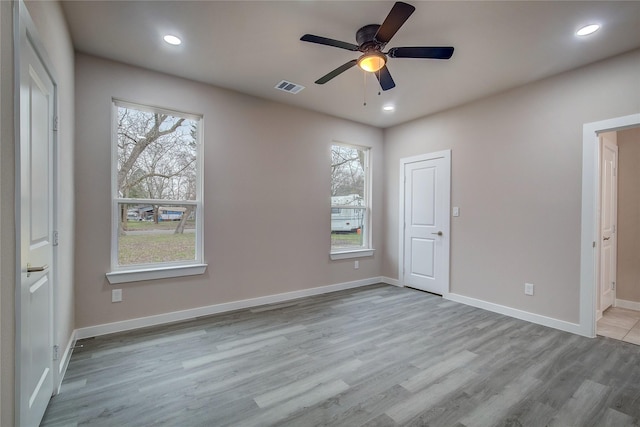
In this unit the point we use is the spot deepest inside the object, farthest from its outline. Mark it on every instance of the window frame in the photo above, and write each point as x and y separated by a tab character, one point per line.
133	273
366	250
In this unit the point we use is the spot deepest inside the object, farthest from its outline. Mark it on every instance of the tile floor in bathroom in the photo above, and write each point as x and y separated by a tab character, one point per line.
621	324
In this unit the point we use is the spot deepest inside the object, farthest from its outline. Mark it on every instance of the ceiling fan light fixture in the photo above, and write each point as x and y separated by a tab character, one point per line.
372	61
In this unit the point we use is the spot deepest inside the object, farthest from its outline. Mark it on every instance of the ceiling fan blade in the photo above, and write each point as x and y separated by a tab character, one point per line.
385	79
328	42
341	69
400	12
421	52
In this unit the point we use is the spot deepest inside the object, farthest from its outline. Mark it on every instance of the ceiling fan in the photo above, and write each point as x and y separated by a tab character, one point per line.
372	39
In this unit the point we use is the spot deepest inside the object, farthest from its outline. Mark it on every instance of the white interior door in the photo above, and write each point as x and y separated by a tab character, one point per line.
426	223
34	329
608	221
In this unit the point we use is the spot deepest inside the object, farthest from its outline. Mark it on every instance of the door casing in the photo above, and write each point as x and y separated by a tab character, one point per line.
590	224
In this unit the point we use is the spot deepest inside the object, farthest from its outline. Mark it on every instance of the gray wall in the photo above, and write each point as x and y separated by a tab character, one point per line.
516	176
52	29
628	272
266	195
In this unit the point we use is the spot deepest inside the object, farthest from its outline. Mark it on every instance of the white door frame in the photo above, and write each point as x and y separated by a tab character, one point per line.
590	229
447	237
23	28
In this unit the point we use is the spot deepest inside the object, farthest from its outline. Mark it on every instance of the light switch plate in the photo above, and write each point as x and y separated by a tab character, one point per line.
456	211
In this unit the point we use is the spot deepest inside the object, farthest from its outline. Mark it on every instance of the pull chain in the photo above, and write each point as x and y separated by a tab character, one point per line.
364	94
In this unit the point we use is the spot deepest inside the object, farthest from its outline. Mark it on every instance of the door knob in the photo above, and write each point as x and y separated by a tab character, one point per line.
439	233
32	269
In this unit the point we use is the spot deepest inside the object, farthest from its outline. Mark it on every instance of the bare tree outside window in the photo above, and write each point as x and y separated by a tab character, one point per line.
157	185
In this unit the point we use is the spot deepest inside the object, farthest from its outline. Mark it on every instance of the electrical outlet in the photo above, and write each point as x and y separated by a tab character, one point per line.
116	295
356	265
528	288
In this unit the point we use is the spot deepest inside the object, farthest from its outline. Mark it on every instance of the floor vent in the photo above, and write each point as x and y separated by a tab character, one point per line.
289	87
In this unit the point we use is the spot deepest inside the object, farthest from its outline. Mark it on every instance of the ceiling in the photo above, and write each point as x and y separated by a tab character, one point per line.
250	46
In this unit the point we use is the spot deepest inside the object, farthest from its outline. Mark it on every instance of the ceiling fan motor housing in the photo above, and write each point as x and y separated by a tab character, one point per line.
365	37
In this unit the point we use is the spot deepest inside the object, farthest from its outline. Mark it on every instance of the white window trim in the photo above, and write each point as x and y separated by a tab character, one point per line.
354	253
126	276
368	250
135	273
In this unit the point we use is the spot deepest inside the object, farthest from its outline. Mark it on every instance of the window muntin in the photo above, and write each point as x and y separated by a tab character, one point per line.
157	190
350	209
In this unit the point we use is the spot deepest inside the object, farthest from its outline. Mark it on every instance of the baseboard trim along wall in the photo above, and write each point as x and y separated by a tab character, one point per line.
176	316
64	360
630	305
562	325
390	281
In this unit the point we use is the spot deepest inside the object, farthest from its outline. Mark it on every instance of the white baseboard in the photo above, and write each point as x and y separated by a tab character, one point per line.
390	281
562	325
175	316
629	305
64	361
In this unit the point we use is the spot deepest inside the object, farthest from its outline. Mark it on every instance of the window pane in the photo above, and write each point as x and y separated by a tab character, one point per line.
156	155
345	240
347	175
152	234
348	198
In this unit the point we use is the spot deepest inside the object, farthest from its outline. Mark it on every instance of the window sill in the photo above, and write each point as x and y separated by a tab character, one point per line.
126	276
356	253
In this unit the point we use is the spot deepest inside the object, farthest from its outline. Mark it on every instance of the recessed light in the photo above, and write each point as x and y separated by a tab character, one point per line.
388	108
588	29
172	40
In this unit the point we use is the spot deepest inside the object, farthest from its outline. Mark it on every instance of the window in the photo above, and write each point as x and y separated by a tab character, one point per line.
157	194
350	205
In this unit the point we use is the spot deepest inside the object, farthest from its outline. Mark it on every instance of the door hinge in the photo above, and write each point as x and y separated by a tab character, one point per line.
56	350
613	286
613	227
55	238
594	244
55	123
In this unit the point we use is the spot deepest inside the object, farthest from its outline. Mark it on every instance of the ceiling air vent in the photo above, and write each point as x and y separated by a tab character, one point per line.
289	87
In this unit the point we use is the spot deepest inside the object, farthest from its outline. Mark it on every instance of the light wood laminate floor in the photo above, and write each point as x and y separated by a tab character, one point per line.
373	356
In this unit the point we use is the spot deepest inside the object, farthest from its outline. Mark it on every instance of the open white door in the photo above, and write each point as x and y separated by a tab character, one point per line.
425	215
608	219
34	364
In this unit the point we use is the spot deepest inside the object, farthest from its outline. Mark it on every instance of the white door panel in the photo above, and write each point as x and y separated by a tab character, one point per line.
34	336
422	207
426	200
422	257
608	220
